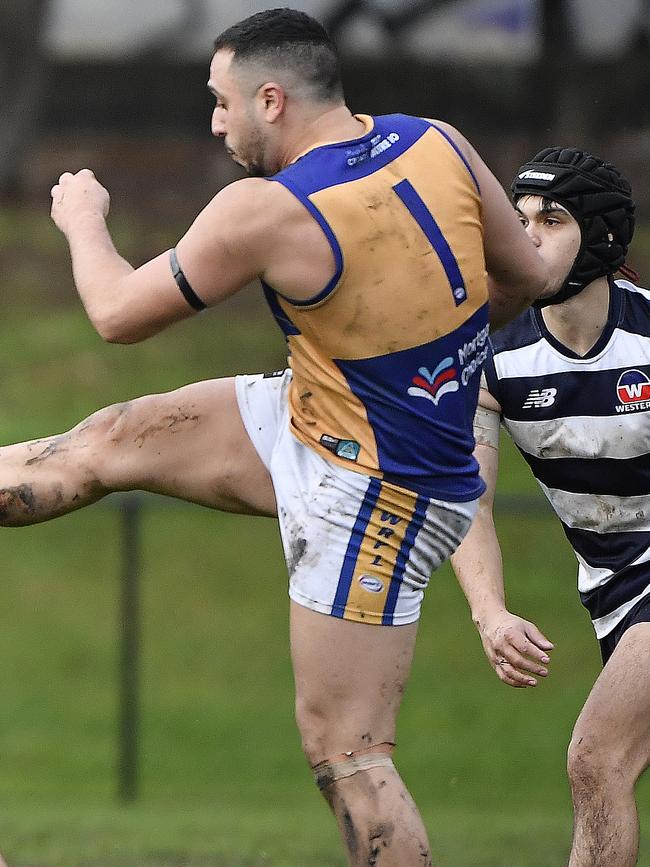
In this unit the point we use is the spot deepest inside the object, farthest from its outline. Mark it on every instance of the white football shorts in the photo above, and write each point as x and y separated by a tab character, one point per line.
356	547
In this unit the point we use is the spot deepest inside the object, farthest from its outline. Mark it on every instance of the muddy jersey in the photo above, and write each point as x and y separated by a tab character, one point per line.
386	358
583	425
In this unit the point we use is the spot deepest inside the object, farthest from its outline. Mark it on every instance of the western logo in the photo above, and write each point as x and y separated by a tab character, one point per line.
633	391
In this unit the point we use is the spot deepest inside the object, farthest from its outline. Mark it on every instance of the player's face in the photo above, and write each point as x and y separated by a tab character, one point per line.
234	118
555	233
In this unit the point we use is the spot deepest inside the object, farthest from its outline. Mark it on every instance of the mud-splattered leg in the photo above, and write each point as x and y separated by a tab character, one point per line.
350	678
379	821
189	443
609	750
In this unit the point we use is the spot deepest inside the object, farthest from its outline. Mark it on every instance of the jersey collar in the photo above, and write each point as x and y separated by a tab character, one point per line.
613	318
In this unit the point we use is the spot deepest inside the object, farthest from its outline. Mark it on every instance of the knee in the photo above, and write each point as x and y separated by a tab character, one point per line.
332	728
98	436
583	762
594	764
103	426
315	729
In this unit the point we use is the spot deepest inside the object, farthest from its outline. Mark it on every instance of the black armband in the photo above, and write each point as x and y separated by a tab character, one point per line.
183	284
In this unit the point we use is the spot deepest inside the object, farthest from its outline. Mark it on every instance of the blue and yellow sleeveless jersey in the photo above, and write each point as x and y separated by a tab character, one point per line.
386	358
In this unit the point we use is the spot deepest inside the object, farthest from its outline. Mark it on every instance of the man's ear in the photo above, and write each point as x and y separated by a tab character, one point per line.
274	99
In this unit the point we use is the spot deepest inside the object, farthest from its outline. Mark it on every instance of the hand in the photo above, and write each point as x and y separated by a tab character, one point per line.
76	196
515	647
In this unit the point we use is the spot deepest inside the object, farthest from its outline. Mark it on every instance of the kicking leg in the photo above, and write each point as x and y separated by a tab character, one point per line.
609	750
350	678
189	443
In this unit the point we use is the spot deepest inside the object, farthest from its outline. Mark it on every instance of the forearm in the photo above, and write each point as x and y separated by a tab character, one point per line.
479	568
98	269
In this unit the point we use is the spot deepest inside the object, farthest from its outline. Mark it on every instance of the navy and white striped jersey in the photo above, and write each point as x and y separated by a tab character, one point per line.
583	426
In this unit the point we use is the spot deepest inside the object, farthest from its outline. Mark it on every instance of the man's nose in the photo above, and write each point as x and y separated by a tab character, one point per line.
533	234
217	124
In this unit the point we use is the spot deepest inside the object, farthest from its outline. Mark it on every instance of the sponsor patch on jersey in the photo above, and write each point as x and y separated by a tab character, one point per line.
539	398
633	391
371	584
347	449
434	385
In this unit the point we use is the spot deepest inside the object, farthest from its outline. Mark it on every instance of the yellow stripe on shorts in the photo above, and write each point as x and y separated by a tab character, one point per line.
380	543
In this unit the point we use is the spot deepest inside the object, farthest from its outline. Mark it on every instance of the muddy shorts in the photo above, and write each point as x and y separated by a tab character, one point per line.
356	547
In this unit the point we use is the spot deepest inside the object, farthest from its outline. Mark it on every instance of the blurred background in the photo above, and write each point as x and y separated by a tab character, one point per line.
146	693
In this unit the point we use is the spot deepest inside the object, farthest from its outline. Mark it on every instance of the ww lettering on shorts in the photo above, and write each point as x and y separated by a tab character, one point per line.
384	533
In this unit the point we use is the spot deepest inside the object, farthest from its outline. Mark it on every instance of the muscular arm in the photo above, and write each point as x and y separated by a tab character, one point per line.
516	273
221	252
515	648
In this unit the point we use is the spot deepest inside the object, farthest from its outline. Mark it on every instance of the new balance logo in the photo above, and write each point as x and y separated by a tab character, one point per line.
540	397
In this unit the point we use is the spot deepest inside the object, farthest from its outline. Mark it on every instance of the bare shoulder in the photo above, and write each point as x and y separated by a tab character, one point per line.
252	208
456	136
252	195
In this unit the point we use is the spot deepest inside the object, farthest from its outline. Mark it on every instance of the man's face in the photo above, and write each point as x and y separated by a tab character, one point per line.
234	118
555	233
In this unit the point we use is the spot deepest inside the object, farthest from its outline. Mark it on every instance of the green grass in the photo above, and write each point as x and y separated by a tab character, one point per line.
221	778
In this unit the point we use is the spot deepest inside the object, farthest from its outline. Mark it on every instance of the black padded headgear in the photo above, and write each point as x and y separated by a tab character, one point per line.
597	196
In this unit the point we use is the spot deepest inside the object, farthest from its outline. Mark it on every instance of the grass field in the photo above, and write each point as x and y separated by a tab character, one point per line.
222	780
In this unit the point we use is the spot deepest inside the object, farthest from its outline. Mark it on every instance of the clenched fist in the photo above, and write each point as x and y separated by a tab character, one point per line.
76	196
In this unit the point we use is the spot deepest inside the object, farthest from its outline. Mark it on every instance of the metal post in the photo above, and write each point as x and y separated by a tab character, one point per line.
131	512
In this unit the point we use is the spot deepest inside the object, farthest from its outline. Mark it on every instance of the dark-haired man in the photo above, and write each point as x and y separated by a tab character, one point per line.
570	380
371	237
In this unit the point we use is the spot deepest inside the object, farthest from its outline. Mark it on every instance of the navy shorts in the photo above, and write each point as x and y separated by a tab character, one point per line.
640	613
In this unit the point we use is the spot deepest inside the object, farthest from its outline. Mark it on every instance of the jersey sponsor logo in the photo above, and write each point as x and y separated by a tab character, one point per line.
445	377
472	354
368	151
633	390
539	398
347	449
371	584
433	386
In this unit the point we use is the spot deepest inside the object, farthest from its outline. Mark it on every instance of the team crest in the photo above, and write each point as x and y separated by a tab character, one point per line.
433	386
632	387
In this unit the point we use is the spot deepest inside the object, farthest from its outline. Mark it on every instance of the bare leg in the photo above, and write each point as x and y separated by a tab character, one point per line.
350	678
190	443
609	750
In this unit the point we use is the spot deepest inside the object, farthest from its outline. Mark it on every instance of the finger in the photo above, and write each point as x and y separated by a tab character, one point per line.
509	675
538	638
65	177
522	662
87	173
54	192
527	648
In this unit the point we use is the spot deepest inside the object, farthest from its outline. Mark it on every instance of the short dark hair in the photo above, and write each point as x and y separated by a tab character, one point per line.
290	39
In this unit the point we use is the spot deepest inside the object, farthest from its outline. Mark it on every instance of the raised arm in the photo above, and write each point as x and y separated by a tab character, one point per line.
220	253
515	647
516	273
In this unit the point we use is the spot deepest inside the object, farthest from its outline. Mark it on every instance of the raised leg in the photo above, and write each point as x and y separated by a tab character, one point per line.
350	678
189	443
609	750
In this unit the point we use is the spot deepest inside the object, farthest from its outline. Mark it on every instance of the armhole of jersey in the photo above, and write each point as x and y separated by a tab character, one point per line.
325	293
458	151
